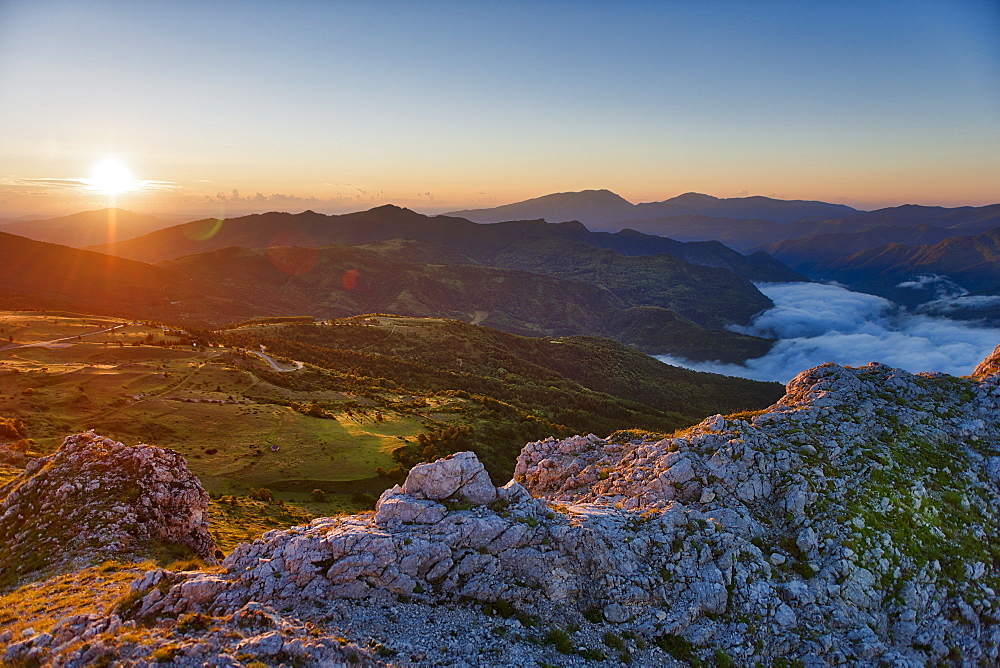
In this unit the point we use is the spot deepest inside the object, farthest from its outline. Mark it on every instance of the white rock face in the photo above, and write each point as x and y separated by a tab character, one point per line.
97	499
873	545
460	475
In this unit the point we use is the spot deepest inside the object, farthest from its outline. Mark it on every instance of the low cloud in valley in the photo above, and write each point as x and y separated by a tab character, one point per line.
817	323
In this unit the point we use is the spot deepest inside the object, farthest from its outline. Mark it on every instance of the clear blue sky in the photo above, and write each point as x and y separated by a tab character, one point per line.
442	105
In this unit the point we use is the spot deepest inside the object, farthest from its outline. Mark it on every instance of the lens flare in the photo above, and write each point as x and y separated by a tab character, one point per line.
349	278
203	230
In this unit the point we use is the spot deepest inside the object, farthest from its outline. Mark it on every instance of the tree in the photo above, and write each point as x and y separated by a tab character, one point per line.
12	428
263	494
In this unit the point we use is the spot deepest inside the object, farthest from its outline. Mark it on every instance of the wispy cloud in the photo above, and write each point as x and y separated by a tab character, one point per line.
357	197
817	323
82	184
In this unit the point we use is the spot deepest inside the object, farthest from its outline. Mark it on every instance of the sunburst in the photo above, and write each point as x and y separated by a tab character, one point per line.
111	177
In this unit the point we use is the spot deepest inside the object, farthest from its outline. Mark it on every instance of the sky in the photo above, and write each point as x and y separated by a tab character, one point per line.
219	108
816	323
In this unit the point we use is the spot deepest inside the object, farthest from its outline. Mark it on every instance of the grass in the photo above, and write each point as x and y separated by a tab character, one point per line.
677	646
231	524
8	473
560	639
40	605
160	395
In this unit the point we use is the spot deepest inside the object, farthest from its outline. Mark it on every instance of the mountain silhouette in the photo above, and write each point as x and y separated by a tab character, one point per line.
604	210
87	228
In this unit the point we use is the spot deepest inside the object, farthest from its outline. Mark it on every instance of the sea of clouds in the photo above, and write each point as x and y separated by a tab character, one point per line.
817	323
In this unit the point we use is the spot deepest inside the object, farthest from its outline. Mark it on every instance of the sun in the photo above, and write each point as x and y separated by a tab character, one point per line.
111	177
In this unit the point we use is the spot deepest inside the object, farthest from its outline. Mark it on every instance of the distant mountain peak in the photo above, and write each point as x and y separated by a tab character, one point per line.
692	197
87	228
585	206
604	209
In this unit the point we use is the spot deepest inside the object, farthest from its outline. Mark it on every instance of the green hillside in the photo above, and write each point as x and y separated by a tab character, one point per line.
374	394
508	389
659	304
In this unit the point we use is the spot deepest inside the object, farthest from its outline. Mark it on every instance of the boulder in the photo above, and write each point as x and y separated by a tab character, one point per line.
95	499
460	475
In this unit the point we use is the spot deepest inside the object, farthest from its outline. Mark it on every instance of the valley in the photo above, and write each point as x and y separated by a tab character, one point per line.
352	403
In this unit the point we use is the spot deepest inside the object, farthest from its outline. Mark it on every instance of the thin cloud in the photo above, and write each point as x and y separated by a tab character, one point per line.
950	298
81	184
817	323
941	285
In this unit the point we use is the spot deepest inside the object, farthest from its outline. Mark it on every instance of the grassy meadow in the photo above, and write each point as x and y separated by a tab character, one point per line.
347	407
196	400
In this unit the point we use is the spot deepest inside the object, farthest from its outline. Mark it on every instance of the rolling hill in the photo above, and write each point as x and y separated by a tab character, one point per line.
210	289
576	384
478	243
88	228
376	278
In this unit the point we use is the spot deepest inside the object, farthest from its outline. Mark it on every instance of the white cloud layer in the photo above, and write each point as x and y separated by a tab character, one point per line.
818	323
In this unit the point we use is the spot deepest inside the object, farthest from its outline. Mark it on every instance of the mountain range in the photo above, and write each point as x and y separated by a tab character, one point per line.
665	295
971	261
870	251
601	209
87	228
528	277
498	244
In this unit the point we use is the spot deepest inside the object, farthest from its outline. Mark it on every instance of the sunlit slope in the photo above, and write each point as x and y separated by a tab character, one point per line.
504	245
81	277
87	228
374	393
593	298
517	386
36	274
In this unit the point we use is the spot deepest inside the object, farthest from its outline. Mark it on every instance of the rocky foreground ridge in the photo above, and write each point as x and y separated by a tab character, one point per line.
96	499
855	521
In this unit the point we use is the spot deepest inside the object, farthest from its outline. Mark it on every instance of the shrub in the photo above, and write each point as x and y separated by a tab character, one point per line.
262	494
318	495
722	660
166	654
12	428
559	639
194	621
23	445
612	640
676	646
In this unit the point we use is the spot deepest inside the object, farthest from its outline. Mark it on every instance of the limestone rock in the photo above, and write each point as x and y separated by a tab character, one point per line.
733	519
459	475
988	366
94	499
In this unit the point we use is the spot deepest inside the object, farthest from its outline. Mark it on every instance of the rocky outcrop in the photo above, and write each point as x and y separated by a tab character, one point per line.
852	522
95	499
988	366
